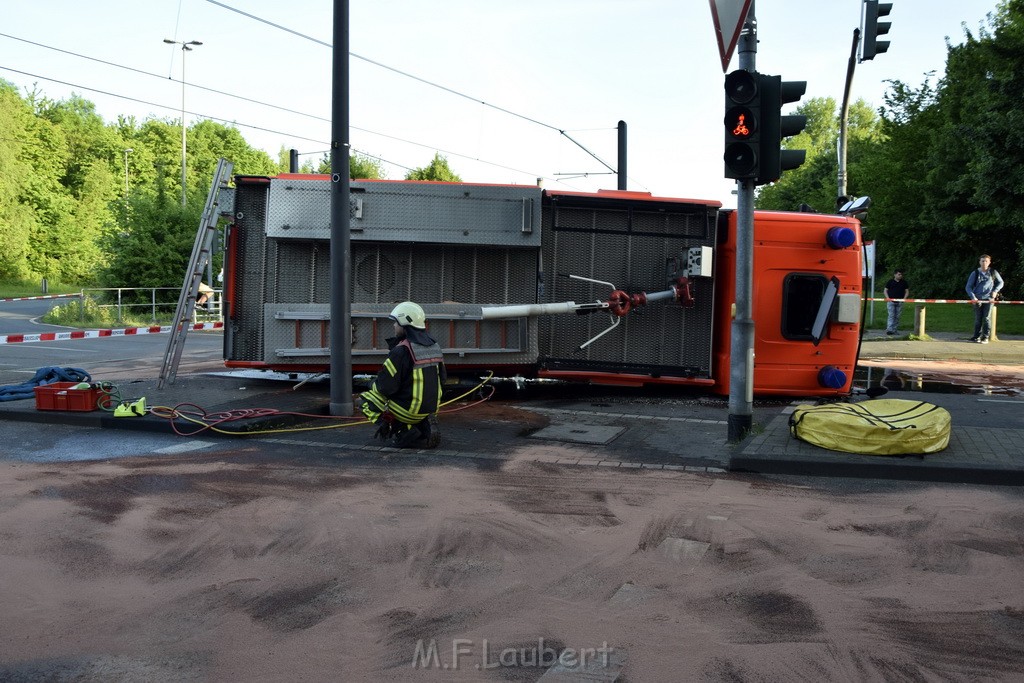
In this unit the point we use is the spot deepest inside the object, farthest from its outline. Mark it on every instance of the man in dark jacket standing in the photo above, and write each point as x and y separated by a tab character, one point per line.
404	398
896	290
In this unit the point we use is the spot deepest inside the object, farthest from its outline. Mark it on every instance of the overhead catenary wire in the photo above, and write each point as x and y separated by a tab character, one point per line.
167	78
242	98
268	130
362	153
420	79
161	106
301	113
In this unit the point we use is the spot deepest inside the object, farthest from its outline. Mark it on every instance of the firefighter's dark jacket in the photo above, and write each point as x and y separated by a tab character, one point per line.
409	383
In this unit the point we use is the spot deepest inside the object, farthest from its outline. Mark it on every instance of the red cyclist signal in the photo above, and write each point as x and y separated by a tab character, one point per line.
742	111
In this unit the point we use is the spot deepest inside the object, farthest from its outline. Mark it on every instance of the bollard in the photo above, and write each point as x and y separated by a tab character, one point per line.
992	323
45	286
919	317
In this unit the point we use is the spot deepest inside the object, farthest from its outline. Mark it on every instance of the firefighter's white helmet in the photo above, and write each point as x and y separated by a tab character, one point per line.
409	313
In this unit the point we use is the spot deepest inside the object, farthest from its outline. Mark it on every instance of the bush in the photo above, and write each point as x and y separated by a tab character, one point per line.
78	312
92	312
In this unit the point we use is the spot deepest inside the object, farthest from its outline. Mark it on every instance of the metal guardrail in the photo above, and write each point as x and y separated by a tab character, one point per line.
214	305
1000	302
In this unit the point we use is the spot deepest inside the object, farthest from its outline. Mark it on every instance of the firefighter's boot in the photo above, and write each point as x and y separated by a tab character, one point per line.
431	432
425	434
408	436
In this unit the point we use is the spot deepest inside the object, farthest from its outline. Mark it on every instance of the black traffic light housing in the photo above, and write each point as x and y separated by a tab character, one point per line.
873	9
742	124
772	158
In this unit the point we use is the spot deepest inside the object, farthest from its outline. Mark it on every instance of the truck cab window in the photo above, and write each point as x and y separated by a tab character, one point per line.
801	298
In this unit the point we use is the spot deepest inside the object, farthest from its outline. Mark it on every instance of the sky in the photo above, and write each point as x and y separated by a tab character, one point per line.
502	89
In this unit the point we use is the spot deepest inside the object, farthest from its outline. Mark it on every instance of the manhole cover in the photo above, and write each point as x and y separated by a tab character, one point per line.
579	433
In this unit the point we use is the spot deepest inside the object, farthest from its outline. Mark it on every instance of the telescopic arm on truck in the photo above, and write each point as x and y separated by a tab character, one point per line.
618	304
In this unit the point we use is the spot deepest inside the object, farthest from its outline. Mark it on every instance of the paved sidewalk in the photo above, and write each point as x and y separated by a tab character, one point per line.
1009	350
976	454
987	439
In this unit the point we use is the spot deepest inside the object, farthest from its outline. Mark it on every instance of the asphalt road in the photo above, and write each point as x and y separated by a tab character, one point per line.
261	560
111	358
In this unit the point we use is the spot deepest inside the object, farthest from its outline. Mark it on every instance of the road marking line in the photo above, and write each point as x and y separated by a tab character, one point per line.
184	447
77	349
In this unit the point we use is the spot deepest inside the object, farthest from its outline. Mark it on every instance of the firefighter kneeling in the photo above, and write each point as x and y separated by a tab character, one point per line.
404	399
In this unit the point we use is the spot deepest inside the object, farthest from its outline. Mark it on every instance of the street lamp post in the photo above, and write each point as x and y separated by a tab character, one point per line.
184	48
126	152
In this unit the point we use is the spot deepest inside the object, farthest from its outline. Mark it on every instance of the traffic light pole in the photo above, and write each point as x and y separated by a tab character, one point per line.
844	117
741	372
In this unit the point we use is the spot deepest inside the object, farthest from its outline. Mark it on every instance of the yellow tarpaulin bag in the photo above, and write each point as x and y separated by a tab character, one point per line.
885	426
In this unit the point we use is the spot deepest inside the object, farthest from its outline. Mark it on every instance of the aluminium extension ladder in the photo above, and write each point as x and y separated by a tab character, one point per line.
198	263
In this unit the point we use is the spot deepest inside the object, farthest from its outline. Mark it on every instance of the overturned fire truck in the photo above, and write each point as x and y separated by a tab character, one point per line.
612	287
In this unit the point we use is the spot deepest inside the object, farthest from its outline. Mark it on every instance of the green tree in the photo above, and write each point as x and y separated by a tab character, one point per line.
153	247
437	169
948	183
897	176
360	167
815	183
365	167
983	175
87	140
17	219
51	204
77	205
209	141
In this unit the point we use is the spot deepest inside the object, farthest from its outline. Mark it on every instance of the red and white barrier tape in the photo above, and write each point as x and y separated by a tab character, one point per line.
45	296
93	334
944	301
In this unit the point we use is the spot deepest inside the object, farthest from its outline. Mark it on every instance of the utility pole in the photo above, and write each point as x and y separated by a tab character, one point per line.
621	171
341	245
126	153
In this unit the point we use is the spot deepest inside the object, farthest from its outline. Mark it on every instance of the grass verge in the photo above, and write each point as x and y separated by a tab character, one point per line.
11	289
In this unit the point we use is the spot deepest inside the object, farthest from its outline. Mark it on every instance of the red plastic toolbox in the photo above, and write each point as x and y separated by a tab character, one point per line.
60	396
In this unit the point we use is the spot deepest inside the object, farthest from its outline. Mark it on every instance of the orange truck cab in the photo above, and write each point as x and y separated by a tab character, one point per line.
799	258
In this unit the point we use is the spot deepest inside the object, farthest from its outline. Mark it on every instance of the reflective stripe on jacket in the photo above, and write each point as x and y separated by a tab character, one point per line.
408	384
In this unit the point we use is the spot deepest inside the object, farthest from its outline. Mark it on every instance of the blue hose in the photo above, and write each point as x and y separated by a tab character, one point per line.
43	376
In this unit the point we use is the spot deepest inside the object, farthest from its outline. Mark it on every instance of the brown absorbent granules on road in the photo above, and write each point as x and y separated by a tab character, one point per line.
142	570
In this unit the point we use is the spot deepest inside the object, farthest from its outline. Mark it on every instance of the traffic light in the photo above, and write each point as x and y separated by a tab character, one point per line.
874	28
773	159
742	121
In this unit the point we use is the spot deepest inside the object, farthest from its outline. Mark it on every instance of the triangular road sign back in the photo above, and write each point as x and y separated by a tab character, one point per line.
729	16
